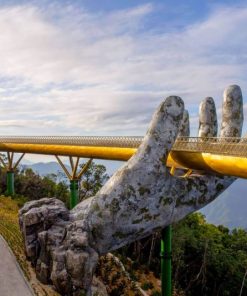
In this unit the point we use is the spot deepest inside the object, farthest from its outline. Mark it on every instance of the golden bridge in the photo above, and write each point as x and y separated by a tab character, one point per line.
227	156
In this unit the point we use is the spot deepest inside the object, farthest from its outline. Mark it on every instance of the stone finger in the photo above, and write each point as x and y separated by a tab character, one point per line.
184	129
232	112
163	130
207	118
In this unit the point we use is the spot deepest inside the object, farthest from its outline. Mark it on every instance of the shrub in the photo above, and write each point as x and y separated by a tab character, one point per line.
147	285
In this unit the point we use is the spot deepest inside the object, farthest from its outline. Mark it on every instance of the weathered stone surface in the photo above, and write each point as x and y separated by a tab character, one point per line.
232	117
98	288
184	129
58	247
140	198
36	217
207	118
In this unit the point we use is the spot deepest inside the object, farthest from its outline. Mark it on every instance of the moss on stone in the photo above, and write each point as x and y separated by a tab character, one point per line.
114	206
143	210
202	199
100	214
97	232
120	235
147	217
143	190
137	221
219	187
190	202
96	207
166	201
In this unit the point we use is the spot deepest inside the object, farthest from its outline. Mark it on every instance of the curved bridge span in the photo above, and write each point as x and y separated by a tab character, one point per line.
227	156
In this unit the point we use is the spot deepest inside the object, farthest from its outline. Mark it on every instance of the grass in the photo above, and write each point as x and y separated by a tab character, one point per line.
10	231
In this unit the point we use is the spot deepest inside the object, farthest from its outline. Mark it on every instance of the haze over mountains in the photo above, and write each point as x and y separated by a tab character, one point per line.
52	167
229	209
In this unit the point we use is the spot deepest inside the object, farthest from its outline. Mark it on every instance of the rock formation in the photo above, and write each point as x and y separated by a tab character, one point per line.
140	198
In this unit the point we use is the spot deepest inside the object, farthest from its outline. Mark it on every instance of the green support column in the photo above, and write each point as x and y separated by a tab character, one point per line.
166	261
10	183
74	193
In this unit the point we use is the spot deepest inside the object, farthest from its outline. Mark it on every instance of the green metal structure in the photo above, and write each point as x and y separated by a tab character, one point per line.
10	183
166	261
74	176
74	192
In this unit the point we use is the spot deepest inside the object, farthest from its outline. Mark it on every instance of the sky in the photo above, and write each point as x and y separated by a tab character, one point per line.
102	67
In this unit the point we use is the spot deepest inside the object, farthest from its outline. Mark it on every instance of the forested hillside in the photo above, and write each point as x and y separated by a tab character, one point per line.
207	260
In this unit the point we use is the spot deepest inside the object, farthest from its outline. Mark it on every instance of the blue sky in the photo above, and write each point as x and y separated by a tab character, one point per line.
102	67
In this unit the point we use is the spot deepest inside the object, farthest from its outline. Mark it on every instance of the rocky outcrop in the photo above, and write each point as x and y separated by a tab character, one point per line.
58	248
140	198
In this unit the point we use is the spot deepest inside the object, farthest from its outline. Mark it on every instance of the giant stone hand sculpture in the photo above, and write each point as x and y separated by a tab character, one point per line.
140	198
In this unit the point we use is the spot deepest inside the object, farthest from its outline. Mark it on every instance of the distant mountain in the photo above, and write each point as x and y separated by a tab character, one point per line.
45	168
25	161
52	167
230	208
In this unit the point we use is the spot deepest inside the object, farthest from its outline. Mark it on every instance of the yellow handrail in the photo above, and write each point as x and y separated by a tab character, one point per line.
211	162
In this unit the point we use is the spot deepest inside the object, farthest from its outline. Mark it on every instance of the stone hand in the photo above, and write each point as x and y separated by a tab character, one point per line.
140	198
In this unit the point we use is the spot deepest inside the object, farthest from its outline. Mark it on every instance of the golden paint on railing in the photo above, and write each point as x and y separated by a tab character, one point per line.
227	156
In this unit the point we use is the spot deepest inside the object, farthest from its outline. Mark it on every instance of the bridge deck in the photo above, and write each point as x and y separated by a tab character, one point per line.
227	156
222	146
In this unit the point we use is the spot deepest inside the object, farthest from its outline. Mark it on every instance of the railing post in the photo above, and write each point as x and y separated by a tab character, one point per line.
166	264
74	192
10	183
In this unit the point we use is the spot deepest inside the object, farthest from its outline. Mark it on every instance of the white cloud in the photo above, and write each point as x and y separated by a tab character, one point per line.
65	71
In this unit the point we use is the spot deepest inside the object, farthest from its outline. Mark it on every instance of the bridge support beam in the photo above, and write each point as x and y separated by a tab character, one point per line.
10	167
10	183
166	261
74	176
74	192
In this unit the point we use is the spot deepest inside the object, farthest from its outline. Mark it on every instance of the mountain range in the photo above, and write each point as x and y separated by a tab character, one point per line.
230	208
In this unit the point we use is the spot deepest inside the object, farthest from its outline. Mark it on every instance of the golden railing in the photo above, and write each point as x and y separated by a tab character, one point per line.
223	146
226	156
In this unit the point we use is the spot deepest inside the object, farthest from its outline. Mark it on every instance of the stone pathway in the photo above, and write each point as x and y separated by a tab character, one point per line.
12	280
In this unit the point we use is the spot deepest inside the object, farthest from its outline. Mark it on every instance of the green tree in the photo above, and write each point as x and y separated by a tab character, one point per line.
92	180
208	260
